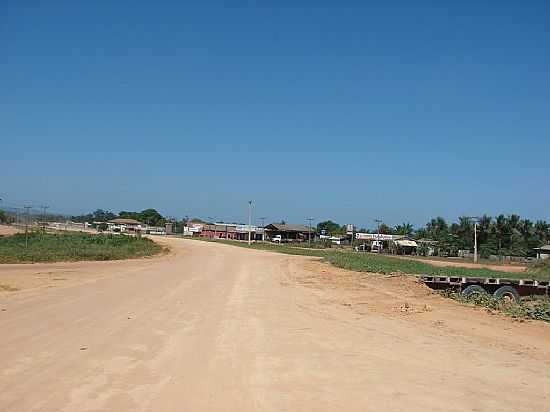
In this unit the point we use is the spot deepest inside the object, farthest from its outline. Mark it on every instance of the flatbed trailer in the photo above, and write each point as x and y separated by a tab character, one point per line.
511	289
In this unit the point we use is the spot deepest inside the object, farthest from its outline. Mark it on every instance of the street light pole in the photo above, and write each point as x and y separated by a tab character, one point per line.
249	221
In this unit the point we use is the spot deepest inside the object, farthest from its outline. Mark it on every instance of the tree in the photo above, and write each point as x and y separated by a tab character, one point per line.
404	229
330	228
542	231
437	228
3	217
148	216
384	229
98	215
151	217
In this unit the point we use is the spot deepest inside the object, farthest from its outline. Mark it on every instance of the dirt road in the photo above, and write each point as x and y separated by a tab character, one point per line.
217	328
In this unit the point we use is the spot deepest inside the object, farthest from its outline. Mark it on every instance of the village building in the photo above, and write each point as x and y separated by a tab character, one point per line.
218	231
289	233
124	225
543	252
395	244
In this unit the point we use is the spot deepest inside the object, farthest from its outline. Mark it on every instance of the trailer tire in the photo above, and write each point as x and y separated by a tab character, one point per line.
507	292
473	290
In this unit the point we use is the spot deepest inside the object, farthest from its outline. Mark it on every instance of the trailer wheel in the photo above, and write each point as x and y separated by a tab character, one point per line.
473	290
508	293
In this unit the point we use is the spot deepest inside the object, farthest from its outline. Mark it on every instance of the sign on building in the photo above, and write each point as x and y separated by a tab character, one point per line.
373	236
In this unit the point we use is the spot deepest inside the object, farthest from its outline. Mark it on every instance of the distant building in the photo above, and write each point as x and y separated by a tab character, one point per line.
218	231
124	225
543	252
289	233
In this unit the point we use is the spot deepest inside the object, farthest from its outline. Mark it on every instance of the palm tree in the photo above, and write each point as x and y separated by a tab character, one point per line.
404	229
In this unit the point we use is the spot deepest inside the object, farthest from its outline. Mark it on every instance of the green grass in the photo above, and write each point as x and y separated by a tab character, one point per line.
368	262
47	247
542	268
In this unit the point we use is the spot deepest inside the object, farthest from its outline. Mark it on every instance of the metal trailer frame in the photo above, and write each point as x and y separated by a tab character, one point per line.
523	287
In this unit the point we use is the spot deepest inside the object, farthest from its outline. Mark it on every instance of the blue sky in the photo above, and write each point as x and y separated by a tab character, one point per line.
399	110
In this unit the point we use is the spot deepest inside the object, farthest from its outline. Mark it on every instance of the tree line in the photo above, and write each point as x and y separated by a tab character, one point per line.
150	217
503	235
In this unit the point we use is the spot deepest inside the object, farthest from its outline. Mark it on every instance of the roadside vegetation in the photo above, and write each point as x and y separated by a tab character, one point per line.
47	247
542	268
530	307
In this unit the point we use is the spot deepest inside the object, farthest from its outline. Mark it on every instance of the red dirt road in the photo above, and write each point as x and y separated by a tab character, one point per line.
213	327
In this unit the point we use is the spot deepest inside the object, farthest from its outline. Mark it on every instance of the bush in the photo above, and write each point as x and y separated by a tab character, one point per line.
47	247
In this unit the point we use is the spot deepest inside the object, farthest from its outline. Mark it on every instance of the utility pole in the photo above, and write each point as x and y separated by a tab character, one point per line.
249	221
475	219
309	230
263	227
378	221
215	227
44	208
475	241
183	225
27	208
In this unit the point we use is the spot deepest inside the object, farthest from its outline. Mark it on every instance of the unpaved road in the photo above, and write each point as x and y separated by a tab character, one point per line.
217	328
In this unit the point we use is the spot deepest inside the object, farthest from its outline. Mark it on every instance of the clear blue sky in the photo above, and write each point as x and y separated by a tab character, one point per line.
400	110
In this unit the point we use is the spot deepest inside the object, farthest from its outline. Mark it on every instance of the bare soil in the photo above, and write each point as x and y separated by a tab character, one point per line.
8	230
212	327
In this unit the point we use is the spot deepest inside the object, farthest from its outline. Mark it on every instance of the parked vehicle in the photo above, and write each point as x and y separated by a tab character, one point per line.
277	239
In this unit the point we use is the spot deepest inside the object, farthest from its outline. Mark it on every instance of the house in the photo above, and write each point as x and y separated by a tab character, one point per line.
404	245
543	252
256	232
218	231
427	247
396	244
124	225
289	233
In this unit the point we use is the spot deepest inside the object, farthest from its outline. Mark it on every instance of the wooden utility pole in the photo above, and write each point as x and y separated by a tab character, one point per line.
27	208
309	230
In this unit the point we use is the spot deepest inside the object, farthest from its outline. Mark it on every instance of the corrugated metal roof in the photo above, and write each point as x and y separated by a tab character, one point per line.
289	228
121	221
